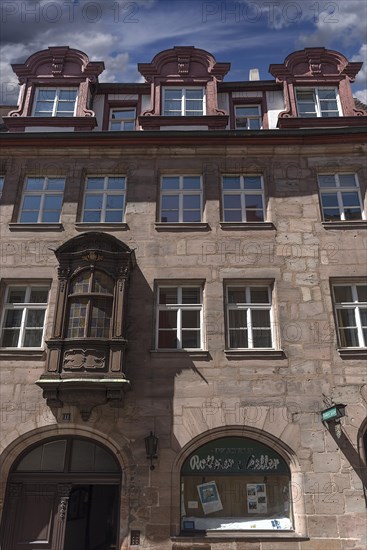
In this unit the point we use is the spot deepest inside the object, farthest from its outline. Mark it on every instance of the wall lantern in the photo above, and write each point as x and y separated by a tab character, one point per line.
151	446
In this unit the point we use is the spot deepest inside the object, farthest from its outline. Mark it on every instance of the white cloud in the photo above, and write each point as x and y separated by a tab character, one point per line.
361	95
361	77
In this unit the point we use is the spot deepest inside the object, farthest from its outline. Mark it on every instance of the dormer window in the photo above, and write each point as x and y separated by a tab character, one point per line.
317	102
55	102
183	101
248	117
122	120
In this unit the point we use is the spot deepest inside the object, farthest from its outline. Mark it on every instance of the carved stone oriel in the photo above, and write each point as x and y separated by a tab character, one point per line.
88	359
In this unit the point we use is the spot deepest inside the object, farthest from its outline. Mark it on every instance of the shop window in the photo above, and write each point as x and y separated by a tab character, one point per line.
24	315
181	199
236	484
340	197
179	317
243	198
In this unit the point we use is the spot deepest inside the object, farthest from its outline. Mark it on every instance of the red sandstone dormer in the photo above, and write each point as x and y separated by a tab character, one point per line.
57	87
317	89
183	90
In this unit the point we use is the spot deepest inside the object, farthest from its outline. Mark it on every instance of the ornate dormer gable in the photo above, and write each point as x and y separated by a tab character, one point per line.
184	84
57	86
317	84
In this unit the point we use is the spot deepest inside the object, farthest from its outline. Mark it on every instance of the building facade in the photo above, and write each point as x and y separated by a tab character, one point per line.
184	306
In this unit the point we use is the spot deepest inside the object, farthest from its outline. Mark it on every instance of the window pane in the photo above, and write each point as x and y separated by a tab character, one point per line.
247	111
35	318
253	201
67	95
13	318
233	216
32	202
261	338
115	201
53	456
325	93
95	183
46	93
238	339
347	180
254	215
170	182
349	337
327	180
114	216
102	283
260	295
191	296
236	296
350	199
305	95
169	216
10	338
16	296
52	202
190	319
80	283
252	182
260	318
237	318
34	184
191	216
230	182
38	296
362	293
168	319
33	338
329	199
346	318
93	202
343	294
232	201
167	339
194	94
77	318
82	456
191	202
56	184
174	93
116	183
191	182
92	216
170	202
255	123
331	214
101	317
50	217
123	115
191	339
352	214
168	295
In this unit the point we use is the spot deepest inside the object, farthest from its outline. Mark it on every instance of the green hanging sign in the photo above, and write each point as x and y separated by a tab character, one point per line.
234	455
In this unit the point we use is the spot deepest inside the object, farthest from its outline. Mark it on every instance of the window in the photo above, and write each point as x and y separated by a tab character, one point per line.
24	316
340	197
104	199
181	199
58	102
183	102
42	200
249	317
2	179
237	483
122	119
317	102
90	305
351	314
243	198
248	117
179	317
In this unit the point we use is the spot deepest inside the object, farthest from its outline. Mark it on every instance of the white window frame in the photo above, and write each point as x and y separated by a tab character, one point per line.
183	99
249	117
44	192
122	121
179	308
250	307
357	306
317	101
55	100
181	192
105	192
24	306
338	190
243	193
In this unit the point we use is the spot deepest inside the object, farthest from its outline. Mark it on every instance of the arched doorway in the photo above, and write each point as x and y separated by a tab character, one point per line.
63	494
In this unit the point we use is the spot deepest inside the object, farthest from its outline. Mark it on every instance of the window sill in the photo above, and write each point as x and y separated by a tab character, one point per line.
81	226
182	226
36	227
22	353
254	353
233	536
358	224
246	226
204	354
353	353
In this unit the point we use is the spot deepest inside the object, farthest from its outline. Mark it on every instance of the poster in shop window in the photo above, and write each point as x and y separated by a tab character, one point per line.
257	502
209	497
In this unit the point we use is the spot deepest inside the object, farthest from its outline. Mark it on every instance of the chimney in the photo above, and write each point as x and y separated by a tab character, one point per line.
254	74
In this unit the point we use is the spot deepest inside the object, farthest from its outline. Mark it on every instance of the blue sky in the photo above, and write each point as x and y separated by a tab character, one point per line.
122	33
